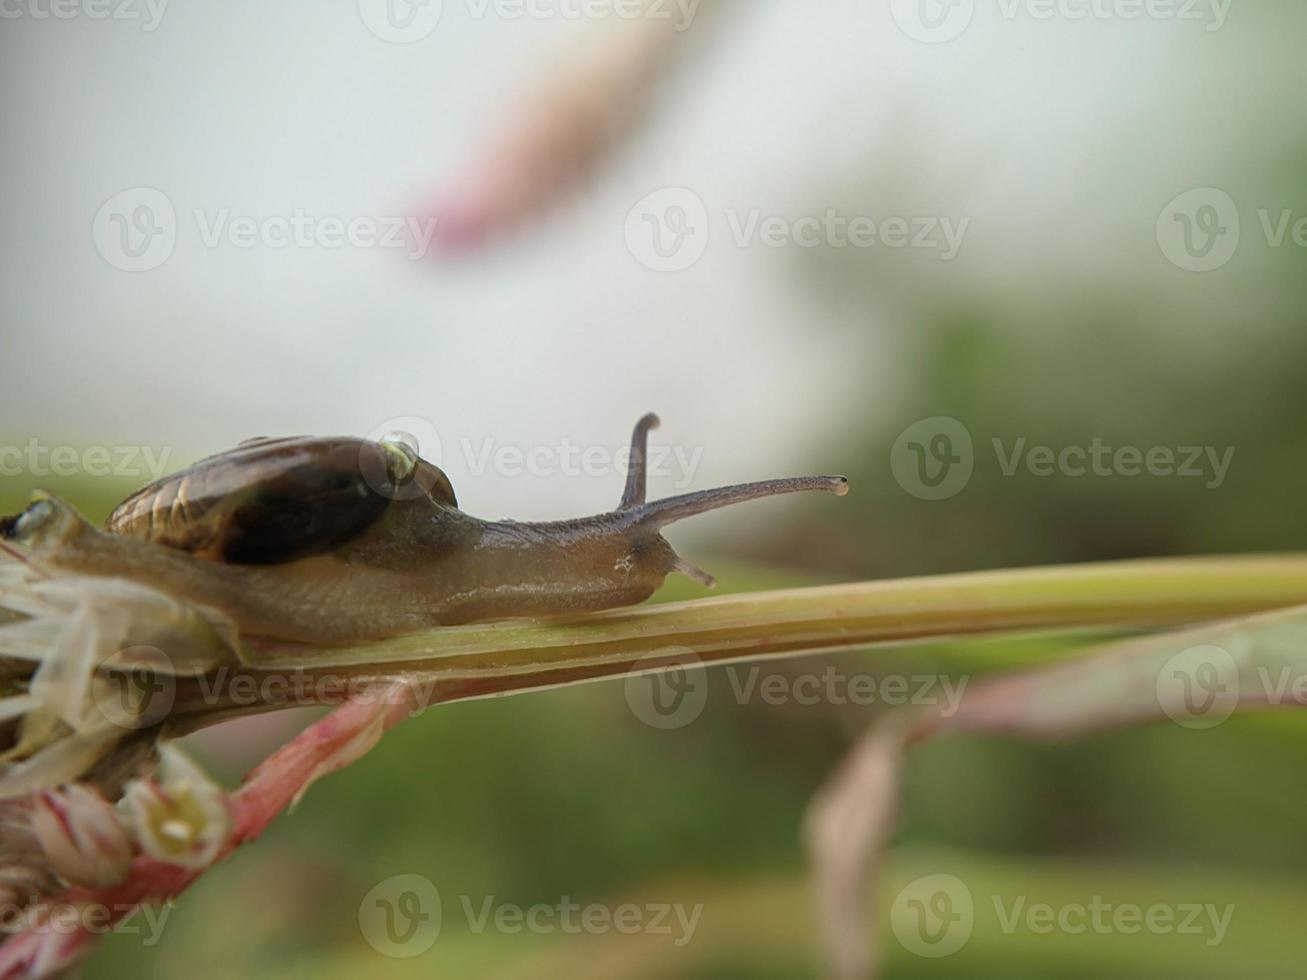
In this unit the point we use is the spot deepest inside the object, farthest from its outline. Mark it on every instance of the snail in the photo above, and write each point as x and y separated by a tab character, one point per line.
339	540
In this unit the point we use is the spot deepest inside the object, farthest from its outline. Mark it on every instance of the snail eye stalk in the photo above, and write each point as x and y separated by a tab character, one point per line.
637	476
660	513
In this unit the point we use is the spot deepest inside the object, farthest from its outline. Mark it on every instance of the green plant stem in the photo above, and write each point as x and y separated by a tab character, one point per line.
476	661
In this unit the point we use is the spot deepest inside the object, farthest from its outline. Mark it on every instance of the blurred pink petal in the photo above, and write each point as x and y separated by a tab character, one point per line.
1135	682
557	128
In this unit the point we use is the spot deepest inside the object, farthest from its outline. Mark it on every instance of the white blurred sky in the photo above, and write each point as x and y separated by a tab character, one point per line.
1061	141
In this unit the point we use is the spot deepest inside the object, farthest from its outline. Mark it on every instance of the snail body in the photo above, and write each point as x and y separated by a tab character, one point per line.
340	540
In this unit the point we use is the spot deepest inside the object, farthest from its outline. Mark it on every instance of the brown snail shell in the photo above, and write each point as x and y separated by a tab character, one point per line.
270	501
